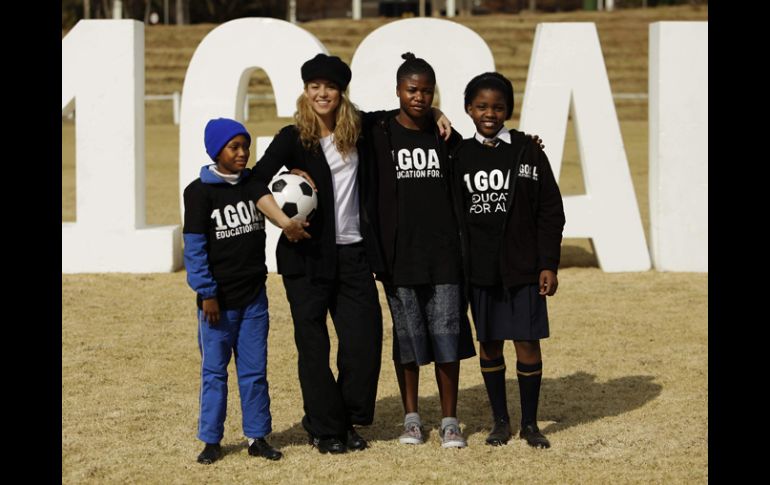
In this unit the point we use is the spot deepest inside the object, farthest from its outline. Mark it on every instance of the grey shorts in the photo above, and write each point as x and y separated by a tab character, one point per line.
430	324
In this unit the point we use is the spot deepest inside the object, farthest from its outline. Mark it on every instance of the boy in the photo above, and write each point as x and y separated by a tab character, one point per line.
224	254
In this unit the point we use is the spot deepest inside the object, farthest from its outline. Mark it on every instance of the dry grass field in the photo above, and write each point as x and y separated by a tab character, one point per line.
625	388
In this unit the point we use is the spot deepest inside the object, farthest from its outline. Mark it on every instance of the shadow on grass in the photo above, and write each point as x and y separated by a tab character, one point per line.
578	257
564	402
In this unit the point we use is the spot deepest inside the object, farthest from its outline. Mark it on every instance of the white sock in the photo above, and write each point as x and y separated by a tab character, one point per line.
412	418
449	420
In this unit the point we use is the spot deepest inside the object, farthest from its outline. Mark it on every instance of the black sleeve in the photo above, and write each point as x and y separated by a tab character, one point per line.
370	118
550	216
520	136
455	180
454	140
279	153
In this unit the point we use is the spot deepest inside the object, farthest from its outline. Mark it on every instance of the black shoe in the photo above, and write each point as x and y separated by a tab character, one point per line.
355	441
534	437
501	433
260	447
211	453
328	445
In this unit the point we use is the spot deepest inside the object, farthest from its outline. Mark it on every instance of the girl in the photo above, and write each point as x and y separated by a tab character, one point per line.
419	237
328	267
511	220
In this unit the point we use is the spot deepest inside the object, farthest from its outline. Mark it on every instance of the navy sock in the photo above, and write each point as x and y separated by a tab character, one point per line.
493	372
529	376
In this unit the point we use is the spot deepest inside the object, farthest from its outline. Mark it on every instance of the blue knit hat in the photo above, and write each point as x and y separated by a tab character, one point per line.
219	131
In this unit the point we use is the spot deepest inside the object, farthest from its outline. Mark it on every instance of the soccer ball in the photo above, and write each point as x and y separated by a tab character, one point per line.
294	196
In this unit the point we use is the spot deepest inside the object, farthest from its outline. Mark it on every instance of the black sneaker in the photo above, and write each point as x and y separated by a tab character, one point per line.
211	453
328	445
501	433
355	441
534	437
260	447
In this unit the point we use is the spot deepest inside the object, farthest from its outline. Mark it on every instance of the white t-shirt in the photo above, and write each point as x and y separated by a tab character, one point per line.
345	191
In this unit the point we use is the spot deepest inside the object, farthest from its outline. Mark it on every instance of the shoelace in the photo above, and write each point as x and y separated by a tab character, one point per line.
451	430
413	428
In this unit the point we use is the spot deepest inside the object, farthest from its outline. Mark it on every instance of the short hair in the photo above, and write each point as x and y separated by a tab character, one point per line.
414	65
491	80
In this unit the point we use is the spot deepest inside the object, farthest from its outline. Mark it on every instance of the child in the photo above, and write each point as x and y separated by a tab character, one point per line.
224	254
419	238
511	218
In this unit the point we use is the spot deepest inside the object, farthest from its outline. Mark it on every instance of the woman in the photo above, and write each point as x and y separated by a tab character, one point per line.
328	266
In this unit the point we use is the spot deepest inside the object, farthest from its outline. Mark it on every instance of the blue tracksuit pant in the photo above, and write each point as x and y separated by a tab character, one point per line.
242	331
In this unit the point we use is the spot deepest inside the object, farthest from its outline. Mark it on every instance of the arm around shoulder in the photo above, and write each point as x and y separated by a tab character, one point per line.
374	116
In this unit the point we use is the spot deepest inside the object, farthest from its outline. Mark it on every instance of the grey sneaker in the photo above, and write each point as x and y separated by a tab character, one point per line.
412	435
451	437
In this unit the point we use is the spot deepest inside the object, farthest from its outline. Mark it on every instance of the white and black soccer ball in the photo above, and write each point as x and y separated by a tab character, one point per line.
294	196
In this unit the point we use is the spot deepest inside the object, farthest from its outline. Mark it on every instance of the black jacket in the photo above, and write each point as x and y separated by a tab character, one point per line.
532	231
385	168
317	257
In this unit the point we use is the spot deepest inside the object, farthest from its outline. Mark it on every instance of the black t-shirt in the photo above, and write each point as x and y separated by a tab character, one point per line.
427	242
486	179
235	231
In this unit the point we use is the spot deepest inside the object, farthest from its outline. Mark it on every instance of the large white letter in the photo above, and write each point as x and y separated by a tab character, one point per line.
217	78
679	128
456	53
566	72
103	73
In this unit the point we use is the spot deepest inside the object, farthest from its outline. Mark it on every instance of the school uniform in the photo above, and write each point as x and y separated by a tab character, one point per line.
511	218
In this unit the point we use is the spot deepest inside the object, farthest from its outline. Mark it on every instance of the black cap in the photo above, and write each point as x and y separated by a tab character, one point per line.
331	68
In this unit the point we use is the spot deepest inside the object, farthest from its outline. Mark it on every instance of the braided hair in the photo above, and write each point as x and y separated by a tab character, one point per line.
414	65
491	80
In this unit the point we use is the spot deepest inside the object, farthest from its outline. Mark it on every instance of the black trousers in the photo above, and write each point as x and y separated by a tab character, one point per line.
352	301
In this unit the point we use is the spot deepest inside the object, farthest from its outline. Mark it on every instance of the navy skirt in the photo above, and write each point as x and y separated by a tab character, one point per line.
517	313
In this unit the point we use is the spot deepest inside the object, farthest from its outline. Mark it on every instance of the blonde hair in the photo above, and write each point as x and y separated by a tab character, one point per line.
347	125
